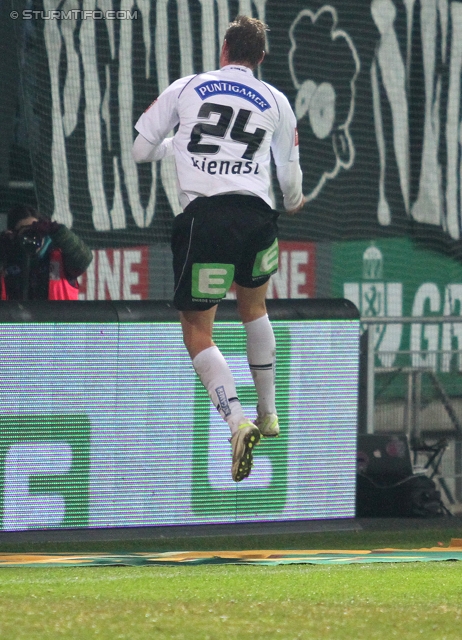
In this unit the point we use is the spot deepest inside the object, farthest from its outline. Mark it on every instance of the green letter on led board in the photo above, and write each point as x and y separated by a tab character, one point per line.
44	471
213	491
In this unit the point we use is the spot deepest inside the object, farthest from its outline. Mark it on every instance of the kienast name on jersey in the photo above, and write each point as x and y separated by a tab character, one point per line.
213	88
224	167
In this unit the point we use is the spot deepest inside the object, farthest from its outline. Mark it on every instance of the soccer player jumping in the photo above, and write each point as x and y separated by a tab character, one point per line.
229	123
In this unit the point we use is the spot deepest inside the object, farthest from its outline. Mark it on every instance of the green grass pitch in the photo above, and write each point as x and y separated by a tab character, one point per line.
405	601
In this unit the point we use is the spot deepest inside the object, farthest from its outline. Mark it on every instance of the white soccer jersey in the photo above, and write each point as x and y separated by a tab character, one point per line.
228	123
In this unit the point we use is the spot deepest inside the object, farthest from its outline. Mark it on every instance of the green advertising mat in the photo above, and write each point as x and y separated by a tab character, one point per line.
275	557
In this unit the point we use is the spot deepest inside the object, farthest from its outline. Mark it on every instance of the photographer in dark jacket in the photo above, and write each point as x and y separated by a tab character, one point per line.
40	259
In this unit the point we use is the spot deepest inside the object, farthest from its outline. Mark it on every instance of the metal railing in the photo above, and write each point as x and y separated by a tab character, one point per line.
416	367
431	355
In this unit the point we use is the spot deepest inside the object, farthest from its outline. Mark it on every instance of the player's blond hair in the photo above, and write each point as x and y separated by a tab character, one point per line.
246	39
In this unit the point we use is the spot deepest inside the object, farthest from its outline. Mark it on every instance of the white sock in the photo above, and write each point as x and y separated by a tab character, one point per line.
261	355
216	376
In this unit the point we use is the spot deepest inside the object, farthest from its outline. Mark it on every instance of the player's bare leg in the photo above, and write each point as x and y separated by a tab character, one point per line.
197	329
216	376
261	354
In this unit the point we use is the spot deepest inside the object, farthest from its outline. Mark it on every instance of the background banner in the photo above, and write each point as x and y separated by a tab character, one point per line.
375	87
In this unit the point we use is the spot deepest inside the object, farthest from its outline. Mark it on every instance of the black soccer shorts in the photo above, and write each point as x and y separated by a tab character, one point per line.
218	240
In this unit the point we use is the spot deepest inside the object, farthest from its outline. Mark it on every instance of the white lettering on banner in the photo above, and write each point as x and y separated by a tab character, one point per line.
430	201
109	276
452	332
131	278
388	60
96	114
376	299
208	48
425	337
22	509
142	215
298	277
53	43
93	142
116	274
440	26
430	338
168	166
292	280
453	124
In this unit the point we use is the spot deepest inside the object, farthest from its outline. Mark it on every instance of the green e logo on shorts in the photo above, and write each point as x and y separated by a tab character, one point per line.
211	280
266	261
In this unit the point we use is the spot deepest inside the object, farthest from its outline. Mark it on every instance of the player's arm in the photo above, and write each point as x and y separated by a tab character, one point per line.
156	123
290	180
145	151
284	147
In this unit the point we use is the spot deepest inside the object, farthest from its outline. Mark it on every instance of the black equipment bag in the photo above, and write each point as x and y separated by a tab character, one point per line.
413	497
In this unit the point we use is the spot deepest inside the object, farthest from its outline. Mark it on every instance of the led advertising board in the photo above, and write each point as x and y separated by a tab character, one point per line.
104	423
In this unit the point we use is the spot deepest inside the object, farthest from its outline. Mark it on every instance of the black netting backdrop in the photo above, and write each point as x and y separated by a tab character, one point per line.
375	86
16	182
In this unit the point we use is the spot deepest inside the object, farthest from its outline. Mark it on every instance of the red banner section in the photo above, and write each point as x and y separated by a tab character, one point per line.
123	274
296	274
116	274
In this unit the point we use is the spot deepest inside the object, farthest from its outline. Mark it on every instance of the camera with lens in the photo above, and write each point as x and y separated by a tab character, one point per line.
29	241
